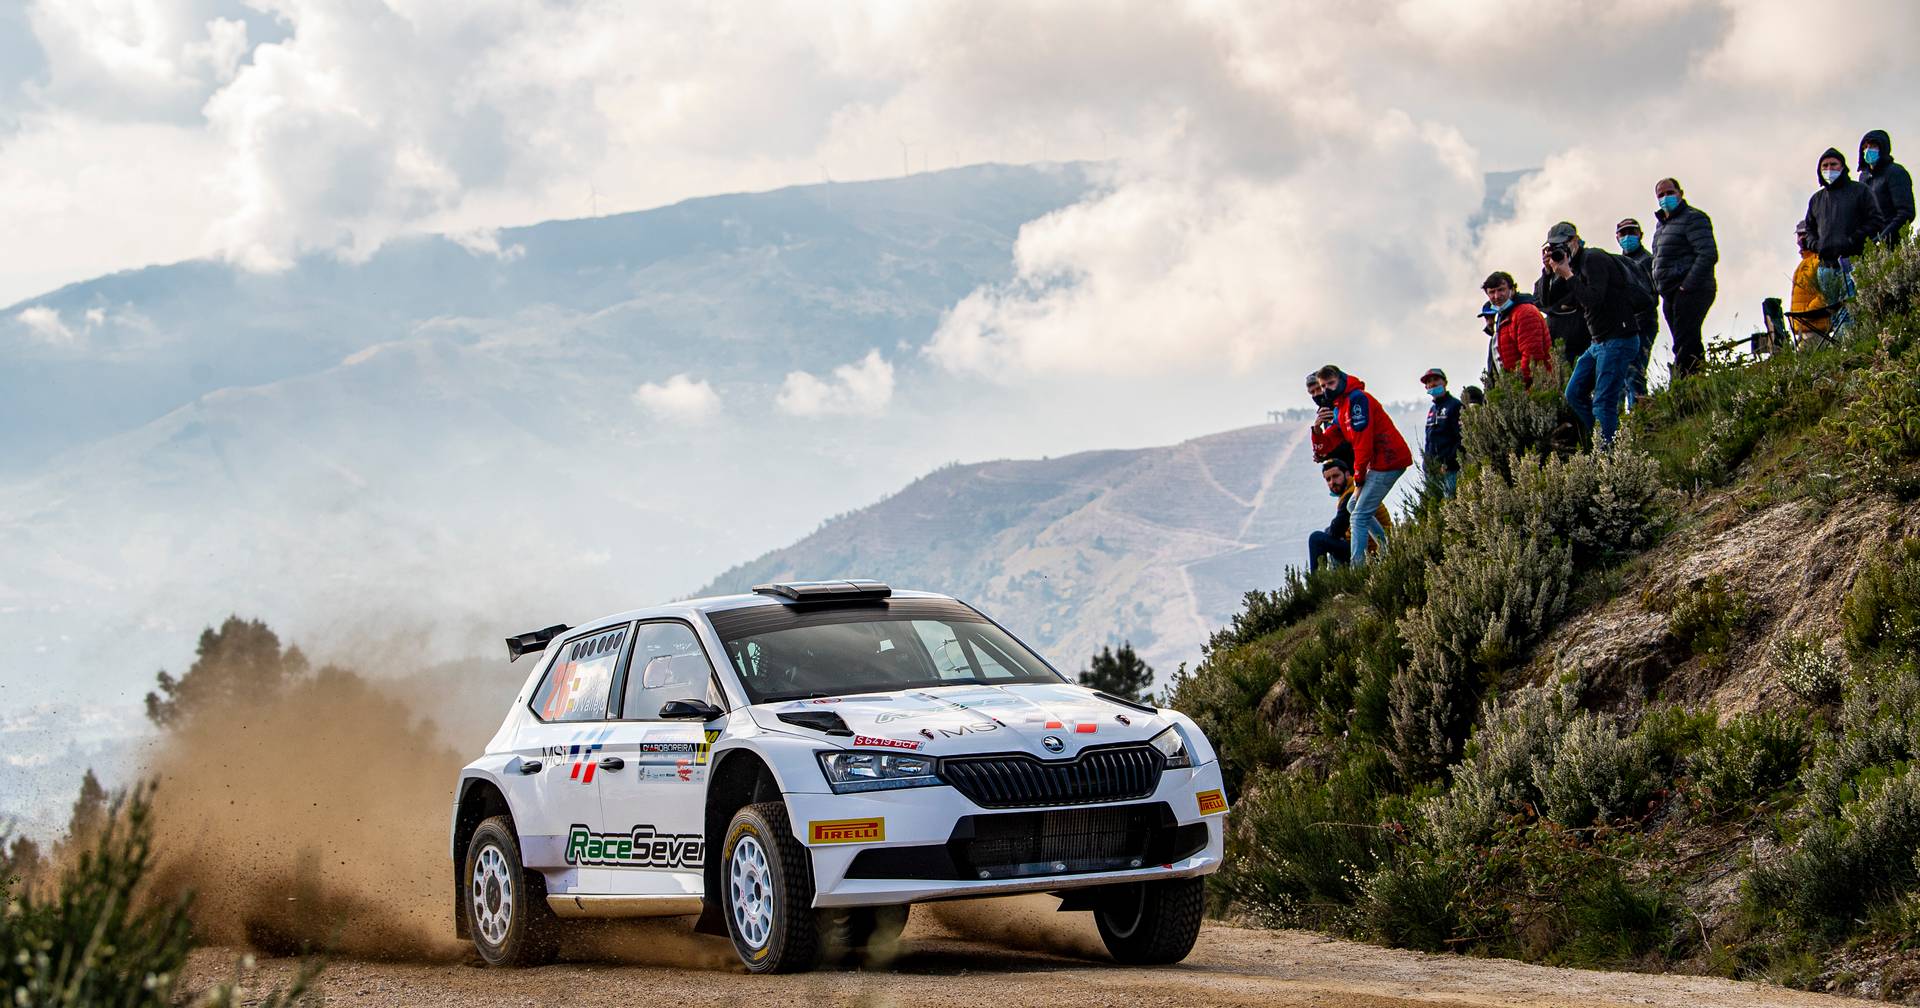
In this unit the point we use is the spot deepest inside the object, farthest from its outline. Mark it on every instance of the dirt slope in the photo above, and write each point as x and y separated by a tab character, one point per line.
948	961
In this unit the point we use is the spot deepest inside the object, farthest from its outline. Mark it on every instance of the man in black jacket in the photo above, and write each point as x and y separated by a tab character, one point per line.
1441	456
1841	219
1599	284
1891	186
1634	251
1683	256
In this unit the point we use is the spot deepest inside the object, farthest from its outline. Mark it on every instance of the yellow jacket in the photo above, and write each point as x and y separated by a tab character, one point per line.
1807	296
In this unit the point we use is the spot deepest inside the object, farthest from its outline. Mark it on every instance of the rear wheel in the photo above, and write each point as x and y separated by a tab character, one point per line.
505	904
1151	923
768	884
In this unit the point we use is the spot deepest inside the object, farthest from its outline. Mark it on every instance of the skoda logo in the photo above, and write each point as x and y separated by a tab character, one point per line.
1053	743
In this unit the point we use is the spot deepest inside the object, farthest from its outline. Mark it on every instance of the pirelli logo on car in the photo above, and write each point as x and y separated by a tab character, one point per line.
1212	802
846	831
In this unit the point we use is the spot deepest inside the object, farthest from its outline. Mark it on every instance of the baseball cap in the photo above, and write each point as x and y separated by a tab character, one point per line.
1561	232
1625	224
1433	373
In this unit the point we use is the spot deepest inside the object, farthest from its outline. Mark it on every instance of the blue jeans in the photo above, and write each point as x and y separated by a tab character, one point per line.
1637	383
1598	383
1320	544
1365	524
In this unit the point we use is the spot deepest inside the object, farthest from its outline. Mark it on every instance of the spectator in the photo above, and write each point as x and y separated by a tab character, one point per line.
1441	457
1327	444
1609	299
1380	454
1565	326
1634	251
1334	544
1841	218
1683	256
1807	315
1518	329
1891	186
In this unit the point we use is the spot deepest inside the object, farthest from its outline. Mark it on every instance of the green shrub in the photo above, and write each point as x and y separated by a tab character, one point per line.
1299	846
1264	612
1886	305
1882	613
98	939
1227	697
1515	422
1596	775
1397	576
1878	733
1842	866
1414	903
1672	734
1749	758
1707	616
1808	671
1876	435
1496	777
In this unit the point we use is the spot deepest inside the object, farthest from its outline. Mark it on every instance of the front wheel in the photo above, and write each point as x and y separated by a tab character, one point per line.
1151	923
506	905
768	885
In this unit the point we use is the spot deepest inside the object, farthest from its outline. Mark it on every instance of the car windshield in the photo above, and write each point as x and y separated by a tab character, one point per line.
871	655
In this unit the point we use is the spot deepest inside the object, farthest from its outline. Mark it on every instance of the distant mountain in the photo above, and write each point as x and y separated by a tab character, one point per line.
1154	545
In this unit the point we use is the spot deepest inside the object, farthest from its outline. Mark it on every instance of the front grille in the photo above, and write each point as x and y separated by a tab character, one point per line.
1016	780
1030	844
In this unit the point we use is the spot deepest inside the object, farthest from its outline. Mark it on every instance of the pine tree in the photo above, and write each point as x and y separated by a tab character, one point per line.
89	811
1120	673
241	660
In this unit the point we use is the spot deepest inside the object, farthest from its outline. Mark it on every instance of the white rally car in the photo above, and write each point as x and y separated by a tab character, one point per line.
799	765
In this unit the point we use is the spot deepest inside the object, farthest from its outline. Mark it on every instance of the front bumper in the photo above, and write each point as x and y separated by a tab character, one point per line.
1017	850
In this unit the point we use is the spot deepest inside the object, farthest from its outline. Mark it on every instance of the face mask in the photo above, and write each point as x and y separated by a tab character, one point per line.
1670	203
1335	494
1871	155
1629	243
1437	391
1504	305
1831	175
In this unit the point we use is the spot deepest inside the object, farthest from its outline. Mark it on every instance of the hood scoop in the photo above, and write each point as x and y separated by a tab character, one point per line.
826	722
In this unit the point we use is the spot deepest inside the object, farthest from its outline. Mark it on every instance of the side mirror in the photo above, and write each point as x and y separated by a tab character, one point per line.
689	710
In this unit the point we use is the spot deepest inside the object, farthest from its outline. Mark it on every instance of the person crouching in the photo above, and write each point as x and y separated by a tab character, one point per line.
1335	543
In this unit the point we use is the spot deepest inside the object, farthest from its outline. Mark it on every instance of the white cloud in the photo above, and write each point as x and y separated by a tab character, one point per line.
865	386
45	325
136	58
679	399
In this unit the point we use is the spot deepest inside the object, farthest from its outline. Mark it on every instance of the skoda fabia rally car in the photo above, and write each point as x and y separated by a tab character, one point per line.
800	765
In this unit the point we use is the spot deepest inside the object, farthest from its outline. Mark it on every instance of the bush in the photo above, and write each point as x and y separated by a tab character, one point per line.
1597	774
1808	670
1496	777
99	939
1887	302
1672	734
1750	758
1227	697
1264	612
1413	903
1878	733
1706	617
1298	847
1516	422
1843	865
1877	433
1882	613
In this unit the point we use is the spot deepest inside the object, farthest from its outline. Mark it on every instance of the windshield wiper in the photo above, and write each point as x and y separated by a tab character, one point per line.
783	697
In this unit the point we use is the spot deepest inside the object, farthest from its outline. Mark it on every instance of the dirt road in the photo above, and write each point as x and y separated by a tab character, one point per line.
958	956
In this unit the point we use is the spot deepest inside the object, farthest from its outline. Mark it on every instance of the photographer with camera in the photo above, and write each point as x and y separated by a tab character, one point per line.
1610	301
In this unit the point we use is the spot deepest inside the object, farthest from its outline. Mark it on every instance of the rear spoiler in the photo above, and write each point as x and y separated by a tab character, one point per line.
533	641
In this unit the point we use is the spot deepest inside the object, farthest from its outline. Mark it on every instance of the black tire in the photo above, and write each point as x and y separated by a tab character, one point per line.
504	903
768	900
861	936
1151	923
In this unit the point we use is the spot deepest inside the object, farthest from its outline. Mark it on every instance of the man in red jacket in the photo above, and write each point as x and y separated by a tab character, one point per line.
1519	330
1380	454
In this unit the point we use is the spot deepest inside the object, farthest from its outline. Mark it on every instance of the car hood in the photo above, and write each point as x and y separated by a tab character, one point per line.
961	720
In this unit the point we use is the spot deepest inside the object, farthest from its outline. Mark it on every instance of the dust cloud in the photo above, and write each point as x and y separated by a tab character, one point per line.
1028	923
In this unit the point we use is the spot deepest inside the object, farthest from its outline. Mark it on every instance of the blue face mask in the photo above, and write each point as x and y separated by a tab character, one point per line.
1504	305
1670	203
1871	155
1629	243
1437	391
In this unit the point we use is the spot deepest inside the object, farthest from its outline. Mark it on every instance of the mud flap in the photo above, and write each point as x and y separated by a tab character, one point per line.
710	921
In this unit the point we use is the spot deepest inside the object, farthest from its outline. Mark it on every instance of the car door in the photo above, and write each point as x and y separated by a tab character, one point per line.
566	735
654	805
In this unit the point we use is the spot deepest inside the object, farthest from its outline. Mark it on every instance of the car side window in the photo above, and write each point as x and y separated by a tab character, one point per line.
576	687
668	664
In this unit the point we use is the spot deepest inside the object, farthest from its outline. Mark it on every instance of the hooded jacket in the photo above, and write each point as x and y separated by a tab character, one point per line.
1807	295
1891	186
1360	420
1683	250
1840	217
1520	336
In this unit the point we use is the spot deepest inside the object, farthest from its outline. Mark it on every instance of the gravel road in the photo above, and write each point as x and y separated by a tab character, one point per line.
994	954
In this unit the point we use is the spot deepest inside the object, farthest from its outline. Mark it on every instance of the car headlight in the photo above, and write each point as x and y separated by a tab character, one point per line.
875	771
1174	748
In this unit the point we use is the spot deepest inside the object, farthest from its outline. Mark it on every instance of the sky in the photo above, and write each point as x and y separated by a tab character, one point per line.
1289	183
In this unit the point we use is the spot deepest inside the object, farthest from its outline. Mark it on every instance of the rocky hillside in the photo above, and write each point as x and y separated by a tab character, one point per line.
1653	707
1154	546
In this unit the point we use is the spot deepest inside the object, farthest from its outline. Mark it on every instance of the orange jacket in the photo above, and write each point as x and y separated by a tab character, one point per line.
1807	295
1523	340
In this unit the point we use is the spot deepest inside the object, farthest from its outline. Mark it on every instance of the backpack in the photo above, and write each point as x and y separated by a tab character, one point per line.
1639	286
